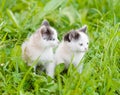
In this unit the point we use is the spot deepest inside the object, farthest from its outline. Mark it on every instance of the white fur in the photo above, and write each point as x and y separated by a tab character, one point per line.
37	47
68	50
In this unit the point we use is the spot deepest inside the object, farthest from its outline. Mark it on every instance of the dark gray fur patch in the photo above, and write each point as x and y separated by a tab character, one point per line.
48	34
66	37
71	35
46	23
75	35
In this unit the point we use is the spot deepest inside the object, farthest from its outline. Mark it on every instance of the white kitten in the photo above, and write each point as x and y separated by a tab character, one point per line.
40	46
74	45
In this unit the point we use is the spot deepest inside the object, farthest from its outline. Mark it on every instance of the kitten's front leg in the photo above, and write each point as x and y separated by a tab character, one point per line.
35	71
34	67
30	63
50	69
80	69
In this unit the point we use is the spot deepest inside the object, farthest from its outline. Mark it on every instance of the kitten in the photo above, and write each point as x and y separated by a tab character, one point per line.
40	46
74	45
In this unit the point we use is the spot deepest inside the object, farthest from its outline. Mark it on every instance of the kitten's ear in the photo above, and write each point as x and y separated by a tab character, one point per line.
43	30
66	37
71	35
46	23
83	29
74	35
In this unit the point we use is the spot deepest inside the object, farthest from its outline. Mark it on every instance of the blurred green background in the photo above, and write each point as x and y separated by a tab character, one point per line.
101	74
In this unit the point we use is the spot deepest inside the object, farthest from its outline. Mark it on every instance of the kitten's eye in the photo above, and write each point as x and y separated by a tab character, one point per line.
81	44
53	39
50	39
87	43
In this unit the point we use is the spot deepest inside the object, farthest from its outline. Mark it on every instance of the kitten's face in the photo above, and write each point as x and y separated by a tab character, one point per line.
48	35
77	40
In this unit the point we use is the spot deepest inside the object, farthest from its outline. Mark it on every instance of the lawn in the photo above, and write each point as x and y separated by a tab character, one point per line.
101	73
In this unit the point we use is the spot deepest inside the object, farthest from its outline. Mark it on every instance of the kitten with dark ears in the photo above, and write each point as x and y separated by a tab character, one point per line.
74	45
40	46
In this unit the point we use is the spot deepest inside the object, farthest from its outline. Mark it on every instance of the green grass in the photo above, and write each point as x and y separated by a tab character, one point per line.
101	74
